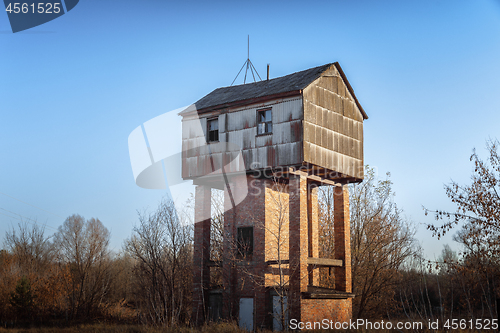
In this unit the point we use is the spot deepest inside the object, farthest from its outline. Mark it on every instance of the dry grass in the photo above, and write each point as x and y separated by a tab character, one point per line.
110	328
212	328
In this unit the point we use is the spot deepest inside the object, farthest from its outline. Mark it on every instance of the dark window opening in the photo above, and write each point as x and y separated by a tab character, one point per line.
245	241
213	130
264	122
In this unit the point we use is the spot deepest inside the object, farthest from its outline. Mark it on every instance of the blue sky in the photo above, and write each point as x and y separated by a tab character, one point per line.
71	91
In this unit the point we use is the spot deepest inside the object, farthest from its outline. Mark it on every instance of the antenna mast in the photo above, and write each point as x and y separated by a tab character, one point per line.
248	65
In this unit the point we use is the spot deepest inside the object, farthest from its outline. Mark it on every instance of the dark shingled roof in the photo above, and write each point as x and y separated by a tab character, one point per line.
225	96
288	83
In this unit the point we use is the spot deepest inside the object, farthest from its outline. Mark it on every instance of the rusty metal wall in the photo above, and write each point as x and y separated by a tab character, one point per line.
239	126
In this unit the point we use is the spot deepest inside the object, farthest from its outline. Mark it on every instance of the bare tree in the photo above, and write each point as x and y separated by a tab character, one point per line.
83	247
217	236
381	240
478	209
31	248
33	265
478	204
277	246
161	246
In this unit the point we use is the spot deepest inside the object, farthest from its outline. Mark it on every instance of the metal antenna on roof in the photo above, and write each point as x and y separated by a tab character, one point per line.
248	65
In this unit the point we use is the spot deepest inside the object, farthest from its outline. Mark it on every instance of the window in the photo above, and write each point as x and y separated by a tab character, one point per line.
245	241
264	121
213	130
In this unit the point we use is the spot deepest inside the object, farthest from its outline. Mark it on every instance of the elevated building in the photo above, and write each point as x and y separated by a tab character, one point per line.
269	145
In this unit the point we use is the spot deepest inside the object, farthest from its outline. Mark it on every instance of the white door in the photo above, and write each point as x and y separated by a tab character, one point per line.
277	313
246	313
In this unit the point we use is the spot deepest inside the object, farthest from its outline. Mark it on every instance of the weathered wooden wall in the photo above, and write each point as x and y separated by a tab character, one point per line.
333	126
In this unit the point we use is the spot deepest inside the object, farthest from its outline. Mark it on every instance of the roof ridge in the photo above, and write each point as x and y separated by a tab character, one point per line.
287	84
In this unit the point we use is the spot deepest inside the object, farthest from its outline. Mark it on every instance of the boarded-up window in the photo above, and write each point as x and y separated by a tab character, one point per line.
245	241
213	130
264	121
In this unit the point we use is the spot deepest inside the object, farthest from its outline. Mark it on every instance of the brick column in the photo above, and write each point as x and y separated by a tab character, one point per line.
298	243
229	300
232	217
201	256
257	210
313	236
342	232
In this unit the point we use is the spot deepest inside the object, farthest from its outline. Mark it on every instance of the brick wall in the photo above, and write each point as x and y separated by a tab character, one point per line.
338	310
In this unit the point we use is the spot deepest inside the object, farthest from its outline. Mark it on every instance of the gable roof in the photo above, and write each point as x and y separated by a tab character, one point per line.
287	85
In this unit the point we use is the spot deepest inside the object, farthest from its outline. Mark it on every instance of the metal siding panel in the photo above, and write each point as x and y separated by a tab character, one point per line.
348	105
222	123
271	156
203	125
340	87
320	155
217	160
335	161
328	159
194	128
321	96
360	132
343	144
336	141
312	153
236	137
307	131
338	105
324	118
354	144
251	116
297	152
278	113
329	121
335	122
317	134
341	164
328	99
297	111
282	154
262	157
277	135
345	125
334	84
248	138
307	151
329	142
263	140
321	137
319	116
313	114
309	110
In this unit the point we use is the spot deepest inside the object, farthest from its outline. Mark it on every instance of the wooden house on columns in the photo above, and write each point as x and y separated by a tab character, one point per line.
269	145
